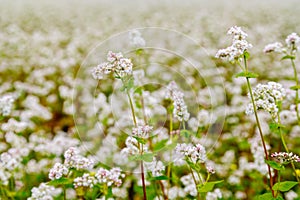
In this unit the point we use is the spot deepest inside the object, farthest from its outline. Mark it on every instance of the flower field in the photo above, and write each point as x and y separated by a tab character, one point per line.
149	100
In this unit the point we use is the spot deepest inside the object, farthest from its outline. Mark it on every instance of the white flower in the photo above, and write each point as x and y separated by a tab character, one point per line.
276	47
266	96
115	63
196	153
239	45
58	171
85	181
74	160
110	177
142	131
180	109
136	39
6	104
44	192
292	39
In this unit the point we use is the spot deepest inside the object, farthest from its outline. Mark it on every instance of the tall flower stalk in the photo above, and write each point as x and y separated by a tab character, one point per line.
238	53
122	69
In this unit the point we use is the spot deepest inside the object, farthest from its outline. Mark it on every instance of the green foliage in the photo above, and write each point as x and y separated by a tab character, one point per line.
284	186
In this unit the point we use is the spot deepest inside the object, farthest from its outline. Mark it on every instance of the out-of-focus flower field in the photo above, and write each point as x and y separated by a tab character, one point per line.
130	100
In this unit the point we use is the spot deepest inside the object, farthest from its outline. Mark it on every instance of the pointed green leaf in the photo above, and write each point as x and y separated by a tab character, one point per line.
159	178
61	181
295	87
246	74
284	186
288	57
209	186
274	164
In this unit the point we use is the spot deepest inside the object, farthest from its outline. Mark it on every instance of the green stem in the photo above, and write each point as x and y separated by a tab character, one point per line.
171	154
297	91
132	108
65	192
258	124
198	195
285	146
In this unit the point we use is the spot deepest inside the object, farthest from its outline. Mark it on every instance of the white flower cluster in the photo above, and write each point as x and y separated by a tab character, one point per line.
239	45
292	39
6	104
58	171
85	180
132	147
44	192
9	161
214	195
156	167
285	158
136	39
180	109
276	47
74	160
110	177
142	131
189	185
14	126
196	153
266	96
115	63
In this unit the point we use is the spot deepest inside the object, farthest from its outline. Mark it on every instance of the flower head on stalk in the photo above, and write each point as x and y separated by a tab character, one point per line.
292	43
180	109
266	97
238	47
285	158
116	63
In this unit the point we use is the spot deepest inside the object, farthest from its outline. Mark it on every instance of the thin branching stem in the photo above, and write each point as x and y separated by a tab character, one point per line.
258	123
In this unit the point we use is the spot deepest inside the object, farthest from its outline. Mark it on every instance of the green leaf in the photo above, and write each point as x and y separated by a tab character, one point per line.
140	140
247	55
295	87
209	186
284	186
147	157
159	178
160	145
275	127
288	57
185	133
61	181
274	164
246	74
268	196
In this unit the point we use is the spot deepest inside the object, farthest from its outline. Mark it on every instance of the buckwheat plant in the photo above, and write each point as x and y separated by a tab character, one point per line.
289	51
159	177
238	53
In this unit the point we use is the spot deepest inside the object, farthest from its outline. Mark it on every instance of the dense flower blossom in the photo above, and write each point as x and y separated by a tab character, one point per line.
292	39
74	160
180	109
110	177
285	157
156	167
276	47
239	45
6	104
58	171
196	153
132	147
266	96
142	131
44	192
115	63
136	38
85	180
